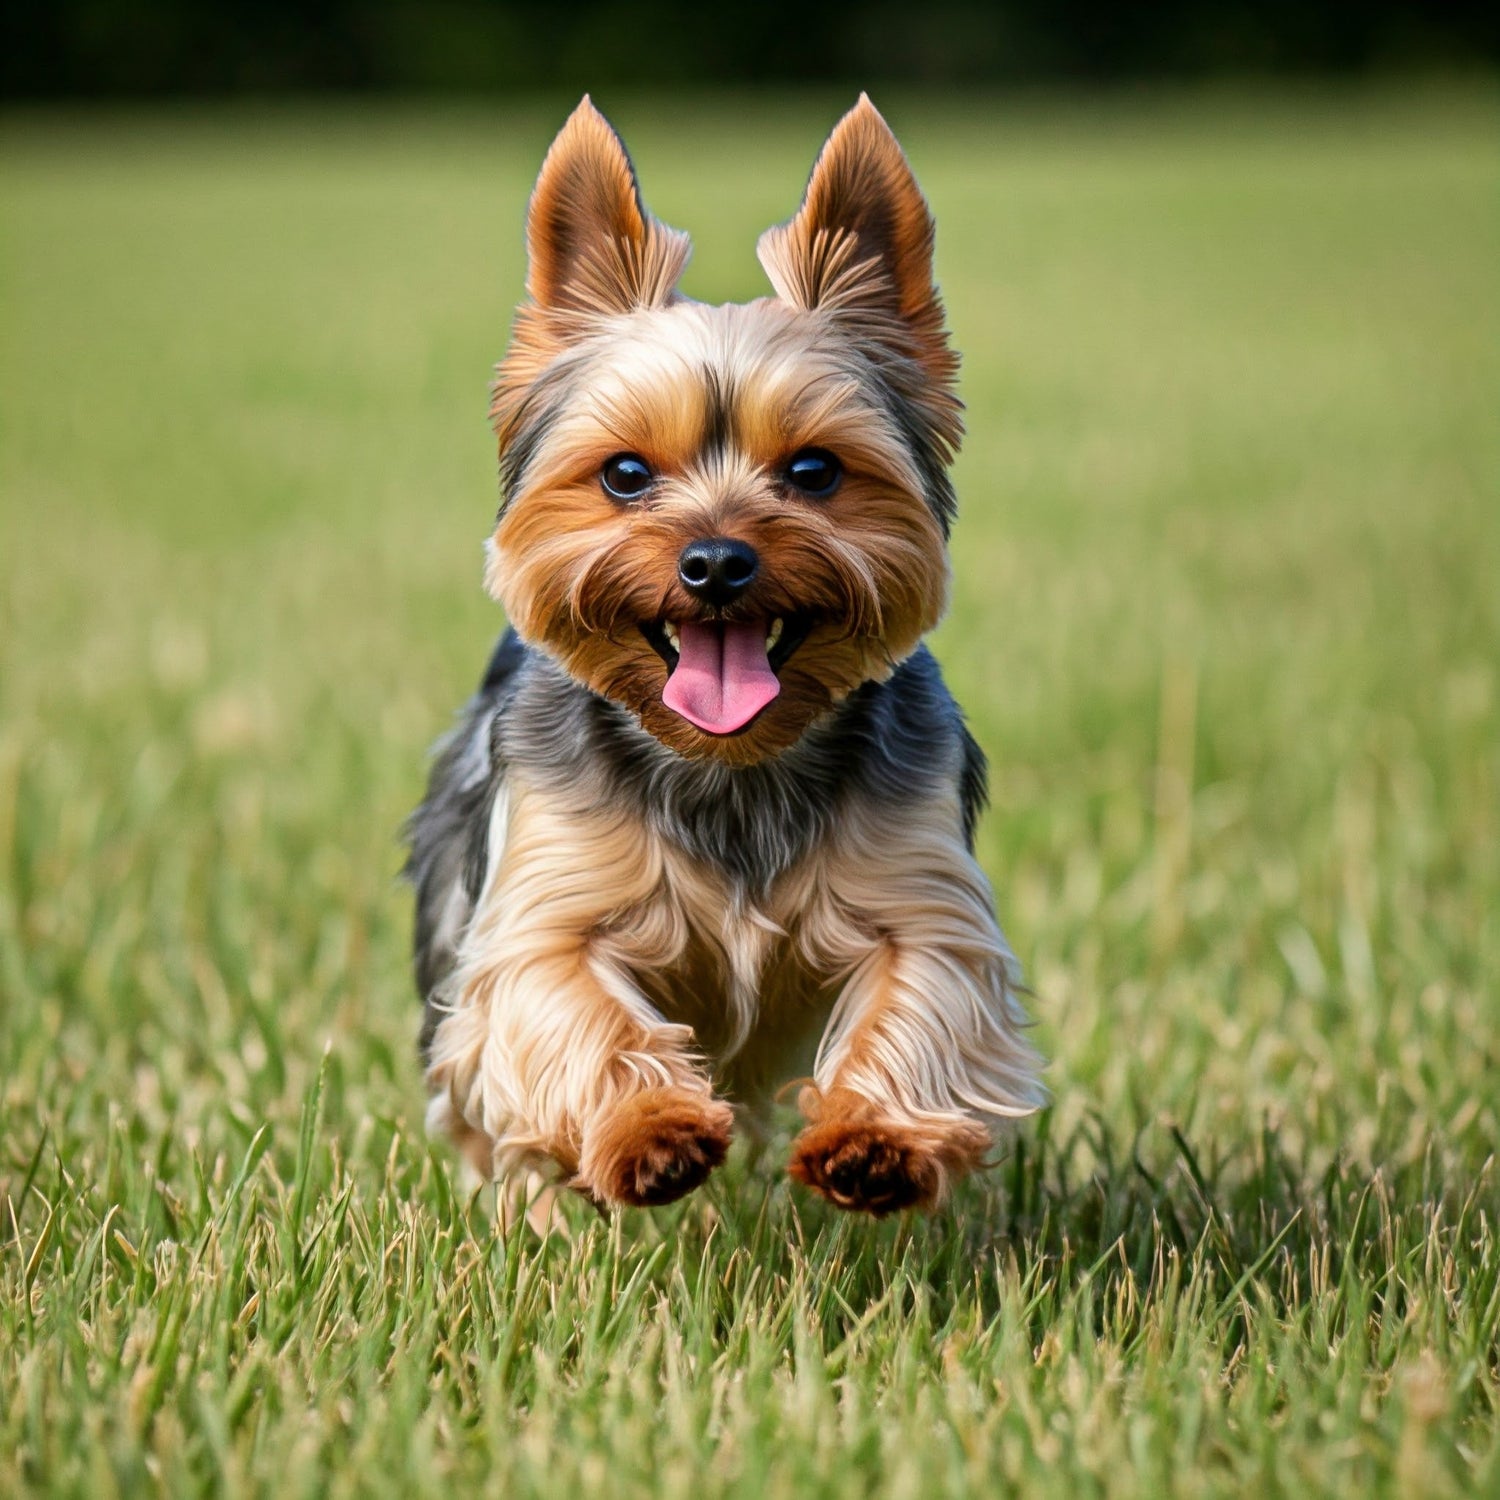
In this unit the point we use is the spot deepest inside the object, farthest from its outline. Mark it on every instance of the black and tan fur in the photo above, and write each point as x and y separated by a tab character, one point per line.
626	924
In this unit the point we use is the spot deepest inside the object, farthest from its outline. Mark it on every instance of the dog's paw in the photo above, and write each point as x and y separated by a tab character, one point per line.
654	1147
871	1165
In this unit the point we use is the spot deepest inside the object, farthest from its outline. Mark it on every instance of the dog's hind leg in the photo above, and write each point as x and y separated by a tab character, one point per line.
547	1055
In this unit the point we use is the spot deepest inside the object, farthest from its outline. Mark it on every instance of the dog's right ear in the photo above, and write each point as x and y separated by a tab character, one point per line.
592	246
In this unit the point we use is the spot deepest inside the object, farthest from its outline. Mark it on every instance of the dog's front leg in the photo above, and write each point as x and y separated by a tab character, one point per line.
548	1057
924	1052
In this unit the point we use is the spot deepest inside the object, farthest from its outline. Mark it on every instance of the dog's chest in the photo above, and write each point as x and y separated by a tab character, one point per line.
736	970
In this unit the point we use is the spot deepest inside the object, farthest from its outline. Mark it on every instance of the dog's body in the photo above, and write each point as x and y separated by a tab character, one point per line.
707	825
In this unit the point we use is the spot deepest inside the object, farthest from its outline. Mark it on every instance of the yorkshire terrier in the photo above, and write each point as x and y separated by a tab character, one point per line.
707	826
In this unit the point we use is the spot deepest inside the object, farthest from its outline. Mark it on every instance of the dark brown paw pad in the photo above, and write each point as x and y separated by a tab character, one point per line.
866	1167
656	1147
860	1158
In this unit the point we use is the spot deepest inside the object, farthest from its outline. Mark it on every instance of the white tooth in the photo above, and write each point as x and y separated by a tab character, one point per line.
773	634
671	633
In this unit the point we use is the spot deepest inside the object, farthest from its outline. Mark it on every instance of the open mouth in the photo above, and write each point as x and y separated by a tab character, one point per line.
721	674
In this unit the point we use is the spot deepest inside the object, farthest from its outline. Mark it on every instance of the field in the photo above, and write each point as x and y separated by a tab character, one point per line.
1227	621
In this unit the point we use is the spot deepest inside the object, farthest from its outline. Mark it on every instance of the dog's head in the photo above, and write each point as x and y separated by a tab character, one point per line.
726	518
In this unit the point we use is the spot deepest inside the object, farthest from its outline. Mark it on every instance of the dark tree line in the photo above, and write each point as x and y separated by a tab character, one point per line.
59	48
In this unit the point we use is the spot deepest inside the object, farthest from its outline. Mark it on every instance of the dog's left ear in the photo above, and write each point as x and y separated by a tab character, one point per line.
860	248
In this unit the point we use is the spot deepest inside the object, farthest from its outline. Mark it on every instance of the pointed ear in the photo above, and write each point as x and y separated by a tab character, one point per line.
591	244
863	232
860	248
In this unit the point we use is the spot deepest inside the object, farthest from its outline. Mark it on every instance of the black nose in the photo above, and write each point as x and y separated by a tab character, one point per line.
717	570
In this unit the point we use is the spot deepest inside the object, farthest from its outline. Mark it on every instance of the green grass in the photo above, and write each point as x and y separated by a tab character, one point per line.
1227	621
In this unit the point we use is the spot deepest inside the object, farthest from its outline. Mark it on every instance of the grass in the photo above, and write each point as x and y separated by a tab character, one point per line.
1227	621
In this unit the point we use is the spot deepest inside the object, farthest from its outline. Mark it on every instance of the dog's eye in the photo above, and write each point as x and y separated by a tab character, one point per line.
626	476
814	471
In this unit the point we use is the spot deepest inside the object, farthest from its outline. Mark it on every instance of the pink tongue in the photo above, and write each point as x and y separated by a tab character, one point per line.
722	678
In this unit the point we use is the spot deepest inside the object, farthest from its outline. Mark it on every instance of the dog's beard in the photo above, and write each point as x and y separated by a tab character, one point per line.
807	687
737	684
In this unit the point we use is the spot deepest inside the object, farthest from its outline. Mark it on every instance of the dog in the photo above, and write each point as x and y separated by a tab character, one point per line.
707	826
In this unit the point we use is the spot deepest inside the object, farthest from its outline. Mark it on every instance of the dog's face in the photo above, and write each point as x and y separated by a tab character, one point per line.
726	518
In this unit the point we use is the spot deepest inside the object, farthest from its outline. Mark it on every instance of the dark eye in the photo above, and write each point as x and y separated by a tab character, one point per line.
626	476
814	471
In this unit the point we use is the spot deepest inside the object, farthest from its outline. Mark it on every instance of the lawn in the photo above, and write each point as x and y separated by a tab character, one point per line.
1227	621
